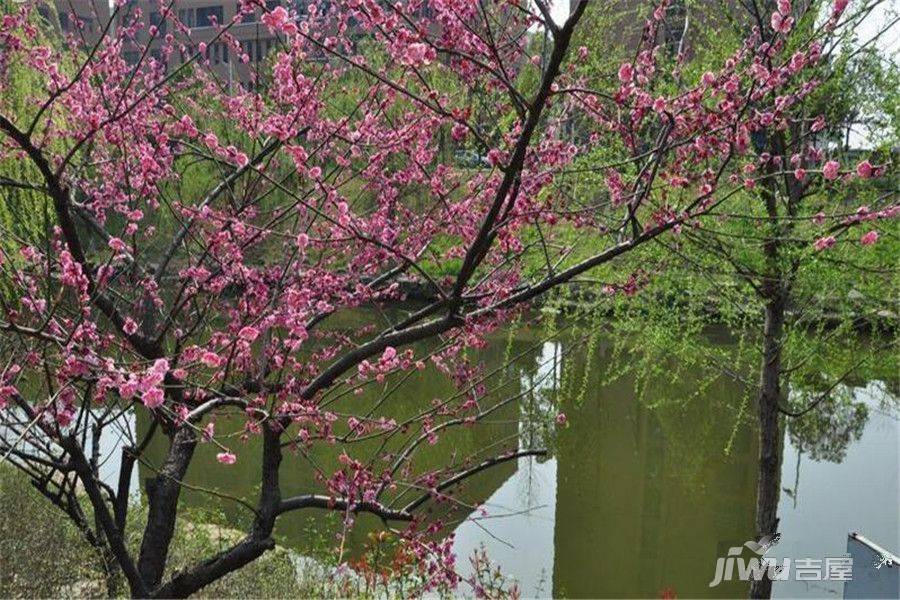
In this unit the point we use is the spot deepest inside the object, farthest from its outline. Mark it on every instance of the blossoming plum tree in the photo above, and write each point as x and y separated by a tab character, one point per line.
200	236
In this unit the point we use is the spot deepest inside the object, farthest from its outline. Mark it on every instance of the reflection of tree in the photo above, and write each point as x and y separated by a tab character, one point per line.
538	405
696	405
638	475
676	368
825	434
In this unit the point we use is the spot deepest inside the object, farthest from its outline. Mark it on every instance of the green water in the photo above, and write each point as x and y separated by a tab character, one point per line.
638	495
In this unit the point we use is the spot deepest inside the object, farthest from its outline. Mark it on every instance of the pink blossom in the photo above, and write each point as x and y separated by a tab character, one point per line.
869	238
353	423
458	132
226	458
210	359
65	415
187	127
240	158
781	23
7	393
275	19
417	54
130	327
824	243
128	389
153	398
248	333
864	169
392	199
117	245
659	105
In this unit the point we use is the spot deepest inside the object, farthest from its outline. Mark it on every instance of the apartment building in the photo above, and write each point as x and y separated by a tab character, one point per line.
231	63
86	19
228	62
238	63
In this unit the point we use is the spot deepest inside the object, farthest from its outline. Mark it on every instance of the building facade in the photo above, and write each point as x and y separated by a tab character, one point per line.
232	57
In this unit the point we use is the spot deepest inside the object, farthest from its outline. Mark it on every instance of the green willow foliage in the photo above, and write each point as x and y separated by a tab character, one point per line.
692	298
23	211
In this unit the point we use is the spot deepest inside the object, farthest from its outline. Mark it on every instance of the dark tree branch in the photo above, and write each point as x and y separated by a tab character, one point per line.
113	534
459	477
342	504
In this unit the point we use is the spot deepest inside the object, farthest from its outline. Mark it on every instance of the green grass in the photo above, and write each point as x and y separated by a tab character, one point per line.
43	555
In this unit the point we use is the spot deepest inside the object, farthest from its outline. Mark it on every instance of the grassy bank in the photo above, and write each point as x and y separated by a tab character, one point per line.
43	555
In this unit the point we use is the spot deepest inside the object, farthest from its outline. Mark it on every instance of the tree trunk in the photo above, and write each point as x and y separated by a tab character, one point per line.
258	541
162	494
769	396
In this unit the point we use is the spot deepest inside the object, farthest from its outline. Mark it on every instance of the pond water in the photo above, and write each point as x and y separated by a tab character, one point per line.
637	499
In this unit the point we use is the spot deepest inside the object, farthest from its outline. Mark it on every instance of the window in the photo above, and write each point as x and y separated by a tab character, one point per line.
220	50
158	21
186	16
208	15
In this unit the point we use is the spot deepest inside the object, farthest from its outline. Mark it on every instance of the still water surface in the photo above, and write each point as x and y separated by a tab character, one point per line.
635	500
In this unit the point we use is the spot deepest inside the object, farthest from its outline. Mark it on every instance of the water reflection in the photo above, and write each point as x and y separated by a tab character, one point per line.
635	501
643	502
860	492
